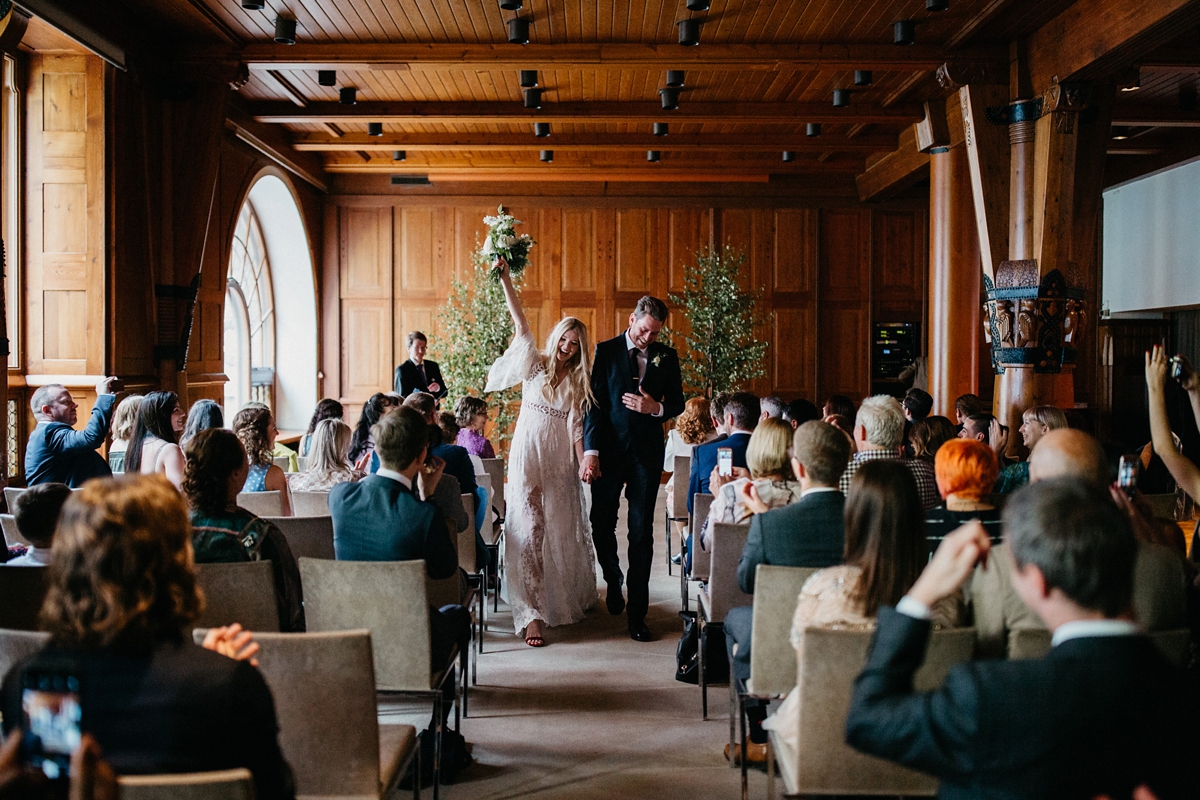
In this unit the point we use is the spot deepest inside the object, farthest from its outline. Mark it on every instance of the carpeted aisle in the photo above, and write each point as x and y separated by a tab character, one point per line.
593	714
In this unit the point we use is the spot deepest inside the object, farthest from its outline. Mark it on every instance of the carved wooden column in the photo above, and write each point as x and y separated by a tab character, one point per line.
954	280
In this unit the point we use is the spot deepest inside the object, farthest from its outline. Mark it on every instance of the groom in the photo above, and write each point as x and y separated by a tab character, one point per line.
638	387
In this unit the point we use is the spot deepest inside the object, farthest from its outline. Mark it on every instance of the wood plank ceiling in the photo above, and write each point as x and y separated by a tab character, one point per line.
443	80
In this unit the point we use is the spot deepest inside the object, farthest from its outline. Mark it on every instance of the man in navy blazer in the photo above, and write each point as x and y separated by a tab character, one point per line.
1102	714
637	386
418	374
56	452
740	417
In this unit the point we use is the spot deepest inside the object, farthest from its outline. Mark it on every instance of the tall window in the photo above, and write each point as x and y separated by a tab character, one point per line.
249	317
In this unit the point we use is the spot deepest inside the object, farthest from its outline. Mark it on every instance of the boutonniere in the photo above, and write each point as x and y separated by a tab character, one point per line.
657	360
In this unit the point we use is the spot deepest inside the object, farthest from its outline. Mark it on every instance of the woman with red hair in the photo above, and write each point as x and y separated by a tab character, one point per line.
966	471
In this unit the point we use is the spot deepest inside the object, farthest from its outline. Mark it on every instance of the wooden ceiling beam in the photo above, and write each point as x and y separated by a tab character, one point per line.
491	112
594	141
1154	117
896	171
457	57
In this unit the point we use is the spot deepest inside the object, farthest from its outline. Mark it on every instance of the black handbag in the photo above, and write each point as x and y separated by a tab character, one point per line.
687	654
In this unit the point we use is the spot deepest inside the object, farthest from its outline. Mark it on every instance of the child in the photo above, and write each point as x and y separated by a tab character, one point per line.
36	514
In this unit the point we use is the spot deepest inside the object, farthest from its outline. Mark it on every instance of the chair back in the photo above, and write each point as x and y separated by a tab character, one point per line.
243	592
10	497
701	503
1175	645
302	463
307	536
12	536
489	517
283	462
1032	643
262	504
324	689
772	657
385	597
1163	505
831	662
465	539
229	784
495	469
725	543
679	483
16	645
22	590
310	504
1028	643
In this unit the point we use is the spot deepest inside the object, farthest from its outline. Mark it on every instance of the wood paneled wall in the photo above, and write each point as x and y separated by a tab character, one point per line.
826	274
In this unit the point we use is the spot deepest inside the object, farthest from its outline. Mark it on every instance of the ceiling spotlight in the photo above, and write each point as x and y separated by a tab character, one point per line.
689	32
285	30
904	31
374	129
814	129
863	77
841	98
1188	99
675	78
547	156
518	30
937	5
788	156
670	98
327	77
541	129
348	95
511	5
254	5
1120	132
660	129
653	156
399	155
533	98
698	5
529	79
1130	80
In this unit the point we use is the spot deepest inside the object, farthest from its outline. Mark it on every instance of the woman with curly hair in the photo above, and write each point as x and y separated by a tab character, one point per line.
694	426
255	429
121	601
471	414
124	419
154	443
223	531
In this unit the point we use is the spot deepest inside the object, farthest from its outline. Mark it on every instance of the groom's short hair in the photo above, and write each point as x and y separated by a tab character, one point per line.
652	306
400	435
745	410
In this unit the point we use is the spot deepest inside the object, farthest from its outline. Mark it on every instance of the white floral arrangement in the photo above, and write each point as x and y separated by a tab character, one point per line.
503	242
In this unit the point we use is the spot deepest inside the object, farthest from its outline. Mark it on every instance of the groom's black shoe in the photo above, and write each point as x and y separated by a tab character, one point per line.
615	601
639	632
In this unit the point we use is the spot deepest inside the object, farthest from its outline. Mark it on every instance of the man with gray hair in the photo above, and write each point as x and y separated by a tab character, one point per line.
878	434
56	452
772	407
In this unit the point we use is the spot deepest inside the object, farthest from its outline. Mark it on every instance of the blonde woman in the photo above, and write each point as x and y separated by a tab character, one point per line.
124	419
550	571
327	463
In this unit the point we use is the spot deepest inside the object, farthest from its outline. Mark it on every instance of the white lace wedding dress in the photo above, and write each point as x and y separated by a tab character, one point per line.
549	562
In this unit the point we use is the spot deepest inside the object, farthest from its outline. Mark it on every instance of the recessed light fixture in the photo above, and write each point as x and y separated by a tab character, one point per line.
689	32
529	79
285	30
1130	80
533	98
327	77
1120	132
788	156
675	78
904	31
254	5
374	129
541	129
518	30
511	5
547	156
399	155
348	95
937	5
660	129
841	98
698	5
814	129
863	77
670	98
653	156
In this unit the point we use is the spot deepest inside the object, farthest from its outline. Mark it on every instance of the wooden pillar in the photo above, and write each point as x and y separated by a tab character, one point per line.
954	280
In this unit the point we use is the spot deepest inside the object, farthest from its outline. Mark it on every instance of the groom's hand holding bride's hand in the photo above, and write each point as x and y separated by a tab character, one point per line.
642	403
589	469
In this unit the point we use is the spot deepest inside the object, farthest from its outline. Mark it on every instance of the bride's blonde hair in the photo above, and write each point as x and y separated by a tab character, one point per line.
578	380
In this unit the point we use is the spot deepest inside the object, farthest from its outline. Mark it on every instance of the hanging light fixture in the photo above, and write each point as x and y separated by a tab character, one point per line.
863	77
285	30
670	98
788	156
904	31
533	98
660	129
518	30
541	129
399	155
511	5
348	95
374	129
653	156
254	5
675	78
1130	80
698	5
841	98
529	79
689	32
327	77
937	5
814	129
1120	132
547	156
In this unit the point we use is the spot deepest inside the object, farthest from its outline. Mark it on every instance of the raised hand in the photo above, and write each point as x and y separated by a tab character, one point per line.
642	402
501	267
1156	369
952	564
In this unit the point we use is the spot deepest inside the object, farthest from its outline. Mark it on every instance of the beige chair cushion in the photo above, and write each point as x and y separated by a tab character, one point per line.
726	543
16	645
231	784
1030	644
465	539
310	504
396	742
12	536
310	537
262	504
772	657
243	593
283	462
495	468
701	558
10	497
679	481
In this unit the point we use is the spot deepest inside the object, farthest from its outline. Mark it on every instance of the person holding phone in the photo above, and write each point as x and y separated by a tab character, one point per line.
56	452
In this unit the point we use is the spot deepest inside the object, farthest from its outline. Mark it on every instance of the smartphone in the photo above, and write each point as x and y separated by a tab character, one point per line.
1127	474
51	721
724	461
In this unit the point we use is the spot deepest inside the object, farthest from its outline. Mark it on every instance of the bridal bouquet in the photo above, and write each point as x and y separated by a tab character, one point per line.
503	242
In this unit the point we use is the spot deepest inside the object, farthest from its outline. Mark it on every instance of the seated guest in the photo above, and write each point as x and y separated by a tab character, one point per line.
800	411
124	419
966	406
471	414
1101	714
739	415
839	404
846	426
153	447
878	432
326	409
382	518
885	550
122	598
1159	581
917	404
278	448
808	533
327	464
771	408
419	374
223	532
458	462
362	446
1036	422
56	453
36	514
255	428
770	484
928	435
693	427
966	473
204	414
976	427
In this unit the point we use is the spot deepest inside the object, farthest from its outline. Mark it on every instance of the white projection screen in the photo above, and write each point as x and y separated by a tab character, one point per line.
1152	242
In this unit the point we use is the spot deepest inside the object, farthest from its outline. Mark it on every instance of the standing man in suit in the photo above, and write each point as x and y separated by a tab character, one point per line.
638	387
1102	714
808	533
418	374
56	452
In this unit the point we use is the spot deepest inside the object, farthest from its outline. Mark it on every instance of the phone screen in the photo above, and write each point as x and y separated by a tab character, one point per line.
724	461
1127	474
52	716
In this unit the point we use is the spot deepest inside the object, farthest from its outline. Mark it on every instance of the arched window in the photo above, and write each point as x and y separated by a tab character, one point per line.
249	317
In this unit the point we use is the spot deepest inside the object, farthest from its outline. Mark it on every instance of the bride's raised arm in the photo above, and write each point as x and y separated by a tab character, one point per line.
513	301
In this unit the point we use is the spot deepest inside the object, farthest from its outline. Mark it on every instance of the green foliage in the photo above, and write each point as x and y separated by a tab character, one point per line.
720	352
476	331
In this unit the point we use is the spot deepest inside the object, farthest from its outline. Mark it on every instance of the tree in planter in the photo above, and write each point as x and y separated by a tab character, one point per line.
720	351
479	330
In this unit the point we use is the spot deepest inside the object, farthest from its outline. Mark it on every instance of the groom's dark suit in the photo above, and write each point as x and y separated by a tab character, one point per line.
631	447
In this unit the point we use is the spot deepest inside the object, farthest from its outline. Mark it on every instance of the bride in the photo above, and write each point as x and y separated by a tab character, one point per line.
550	567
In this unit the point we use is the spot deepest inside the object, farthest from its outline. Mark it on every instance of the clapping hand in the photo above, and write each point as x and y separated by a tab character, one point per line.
642	403
748	494
952	563
232	641
998	437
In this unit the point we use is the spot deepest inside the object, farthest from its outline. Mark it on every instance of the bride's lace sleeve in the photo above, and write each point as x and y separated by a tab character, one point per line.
575	425
519	363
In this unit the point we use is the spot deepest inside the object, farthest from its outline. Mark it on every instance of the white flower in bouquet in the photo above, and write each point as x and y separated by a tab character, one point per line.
503	242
